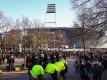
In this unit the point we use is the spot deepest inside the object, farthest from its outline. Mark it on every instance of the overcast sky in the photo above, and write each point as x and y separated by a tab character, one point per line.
36	9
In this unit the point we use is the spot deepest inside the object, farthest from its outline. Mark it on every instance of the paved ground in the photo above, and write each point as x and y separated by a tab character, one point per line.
23	75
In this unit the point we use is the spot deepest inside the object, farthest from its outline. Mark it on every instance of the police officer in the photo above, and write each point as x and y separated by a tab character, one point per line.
51	68
64	69
61	65
36	71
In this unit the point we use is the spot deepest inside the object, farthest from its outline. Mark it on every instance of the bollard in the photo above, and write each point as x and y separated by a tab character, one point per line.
1	72
17	69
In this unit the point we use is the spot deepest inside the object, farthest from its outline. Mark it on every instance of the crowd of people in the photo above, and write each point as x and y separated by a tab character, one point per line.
90	65
41	63
10	58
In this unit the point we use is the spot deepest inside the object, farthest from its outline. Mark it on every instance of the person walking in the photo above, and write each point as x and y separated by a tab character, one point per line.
61	65
83	74
35	71
51	68
97	71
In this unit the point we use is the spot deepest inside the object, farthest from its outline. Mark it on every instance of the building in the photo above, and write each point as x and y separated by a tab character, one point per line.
35	38
44	38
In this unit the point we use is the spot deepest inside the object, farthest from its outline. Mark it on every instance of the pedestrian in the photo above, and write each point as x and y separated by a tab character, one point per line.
3	59
76	66
45	60
0	60
11	63
64	56
88	68
28	60
83	74
97	72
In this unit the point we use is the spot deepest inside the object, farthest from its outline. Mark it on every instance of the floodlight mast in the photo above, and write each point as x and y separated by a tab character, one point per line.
51	13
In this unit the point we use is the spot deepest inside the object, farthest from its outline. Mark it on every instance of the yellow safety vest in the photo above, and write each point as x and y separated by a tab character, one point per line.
51	68
36	70
60	66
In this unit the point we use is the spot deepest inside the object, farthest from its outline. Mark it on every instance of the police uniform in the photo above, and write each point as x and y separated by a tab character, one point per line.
64	69
61	65
37	72
51	68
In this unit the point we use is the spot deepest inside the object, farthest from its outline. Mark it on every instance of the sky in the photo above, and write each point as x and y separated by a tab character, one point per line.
36	9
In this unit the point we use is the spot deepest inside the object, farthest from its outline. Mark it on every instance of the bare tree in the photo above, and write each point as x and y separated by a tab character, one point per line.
95	18
6	24
25	24
99	12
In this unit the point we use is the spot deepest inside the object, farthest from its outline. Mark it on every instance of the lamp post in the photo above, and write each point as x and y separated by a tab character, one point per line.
74	49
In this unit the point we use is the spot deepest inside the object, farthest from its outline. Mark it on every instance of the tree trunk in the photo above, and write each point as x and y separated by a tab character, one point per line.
83	44
83	36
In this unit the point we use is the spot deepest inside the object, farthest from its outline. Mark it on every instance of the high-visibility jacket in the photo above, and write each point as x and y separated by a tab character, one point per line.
60	66
36	70
51	68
